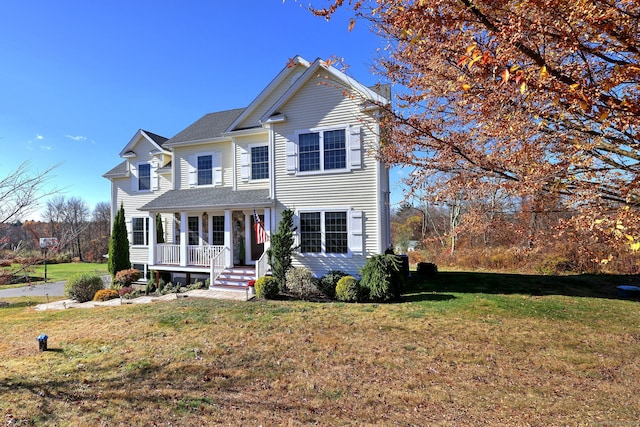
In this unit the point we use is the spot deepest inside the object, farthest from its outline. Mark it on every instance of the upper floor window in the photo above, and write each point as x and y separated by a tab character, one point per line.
205	169
322	150
260	162
325	150
144	177
254	163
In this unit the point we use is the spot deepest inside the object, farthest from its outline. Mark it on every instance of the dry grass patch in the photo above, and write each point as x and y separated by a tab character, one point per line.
453	359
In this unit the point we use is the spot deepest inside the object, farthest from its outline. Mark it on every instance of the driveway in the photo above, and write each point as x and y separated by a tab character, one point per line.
53	289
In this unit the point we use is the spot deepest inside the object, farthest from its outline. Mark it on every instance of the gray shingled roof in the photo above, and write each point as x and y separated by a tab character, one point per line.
209	126
156	138
207	198
118	171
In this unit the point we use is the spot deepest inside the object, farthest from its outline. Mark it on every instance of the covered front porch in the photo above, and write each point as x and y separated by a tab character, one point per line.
209	230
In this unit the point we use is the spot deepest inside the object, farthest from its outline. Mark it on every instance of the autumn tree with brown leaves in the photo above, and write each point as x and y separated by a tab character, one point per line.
519	98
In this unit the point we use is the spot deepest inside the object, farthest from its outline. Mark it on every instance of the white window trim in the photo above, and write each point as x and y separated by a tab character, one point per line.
146	224
354	219
153	177
247	162
353	150
216	169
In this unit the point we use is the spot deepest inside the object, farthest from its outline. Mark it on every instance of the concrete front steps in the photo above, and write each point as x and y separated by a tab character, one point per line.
235	278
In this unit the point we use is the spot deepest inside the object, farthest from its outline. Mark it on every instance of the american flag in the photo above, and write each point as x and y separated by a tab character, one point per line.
261	234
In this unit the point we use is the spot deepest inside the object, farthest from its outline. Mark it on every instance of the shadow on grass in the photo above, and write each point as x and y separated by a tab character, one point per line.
585	285
424	296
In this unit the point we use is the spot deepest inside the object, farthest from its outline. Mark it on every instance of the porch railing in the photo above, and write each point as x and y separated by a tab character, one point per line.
167	254
198	255
202	255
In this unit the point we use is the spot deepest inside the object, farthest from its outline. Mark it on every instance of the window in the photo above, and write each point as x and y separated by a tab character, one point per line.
335	224
140	229
310	232
205	170
331	225
324	150
335	152
144	177
260	162
193	229
309	144
217	230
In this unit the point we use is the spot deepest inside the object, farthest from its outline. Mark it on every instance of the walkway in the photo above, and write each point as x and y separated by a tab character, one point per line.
57	289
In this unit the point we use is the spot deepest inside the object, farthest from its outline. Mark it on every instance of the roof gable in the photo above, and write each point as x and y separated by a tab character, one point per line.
156	140
287	76
320	65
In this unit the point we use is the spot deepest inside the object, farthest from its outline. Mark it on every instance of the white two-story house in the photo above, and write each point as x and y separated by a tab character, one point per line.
307	143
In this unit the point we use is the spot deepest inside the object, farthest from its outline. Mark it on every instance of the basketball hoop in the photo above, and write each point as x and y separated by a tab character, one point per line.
47	243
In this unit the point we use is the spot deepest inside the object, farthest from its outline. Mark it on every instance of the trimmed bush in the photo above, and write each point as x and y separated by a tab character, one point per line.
125	291
125	278
426	269
83	286
328	282
301	283
381	278
348	289
105	295
266	287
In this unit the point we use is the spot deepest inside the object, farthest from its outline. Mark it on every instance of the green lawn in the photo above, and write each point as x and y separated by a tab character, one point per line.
521	352
61	272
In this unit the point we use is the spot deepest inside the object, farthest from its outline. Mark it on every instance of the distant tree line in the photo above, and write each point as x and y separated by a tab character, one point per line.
82	233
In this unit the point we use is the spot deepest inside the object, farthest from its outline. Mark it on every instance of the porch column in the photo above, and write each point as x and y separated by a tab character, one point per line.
228	240
152	239
184	239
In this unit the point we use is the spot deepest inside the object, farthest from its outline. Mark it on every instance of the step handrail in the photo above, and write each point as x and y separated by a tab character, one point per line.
262	265
218	265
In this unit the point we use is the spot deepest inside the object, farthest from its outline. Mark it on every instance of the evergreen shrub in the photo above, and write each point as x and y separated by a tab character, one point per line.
348	289
266	287
381	278
327	283
83	286
105	295
300	283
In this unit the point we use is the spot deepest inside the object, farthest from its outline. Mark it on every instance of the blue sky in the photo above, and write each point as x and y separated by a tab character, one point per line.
79	78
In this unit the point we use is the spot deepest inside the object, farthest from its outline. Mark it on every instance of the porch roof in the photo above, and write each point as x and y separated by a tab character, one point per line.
208	198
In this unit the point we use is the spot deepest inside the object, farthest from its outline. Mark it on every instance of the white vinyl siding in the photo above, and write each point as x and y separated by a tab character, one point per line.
357	188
